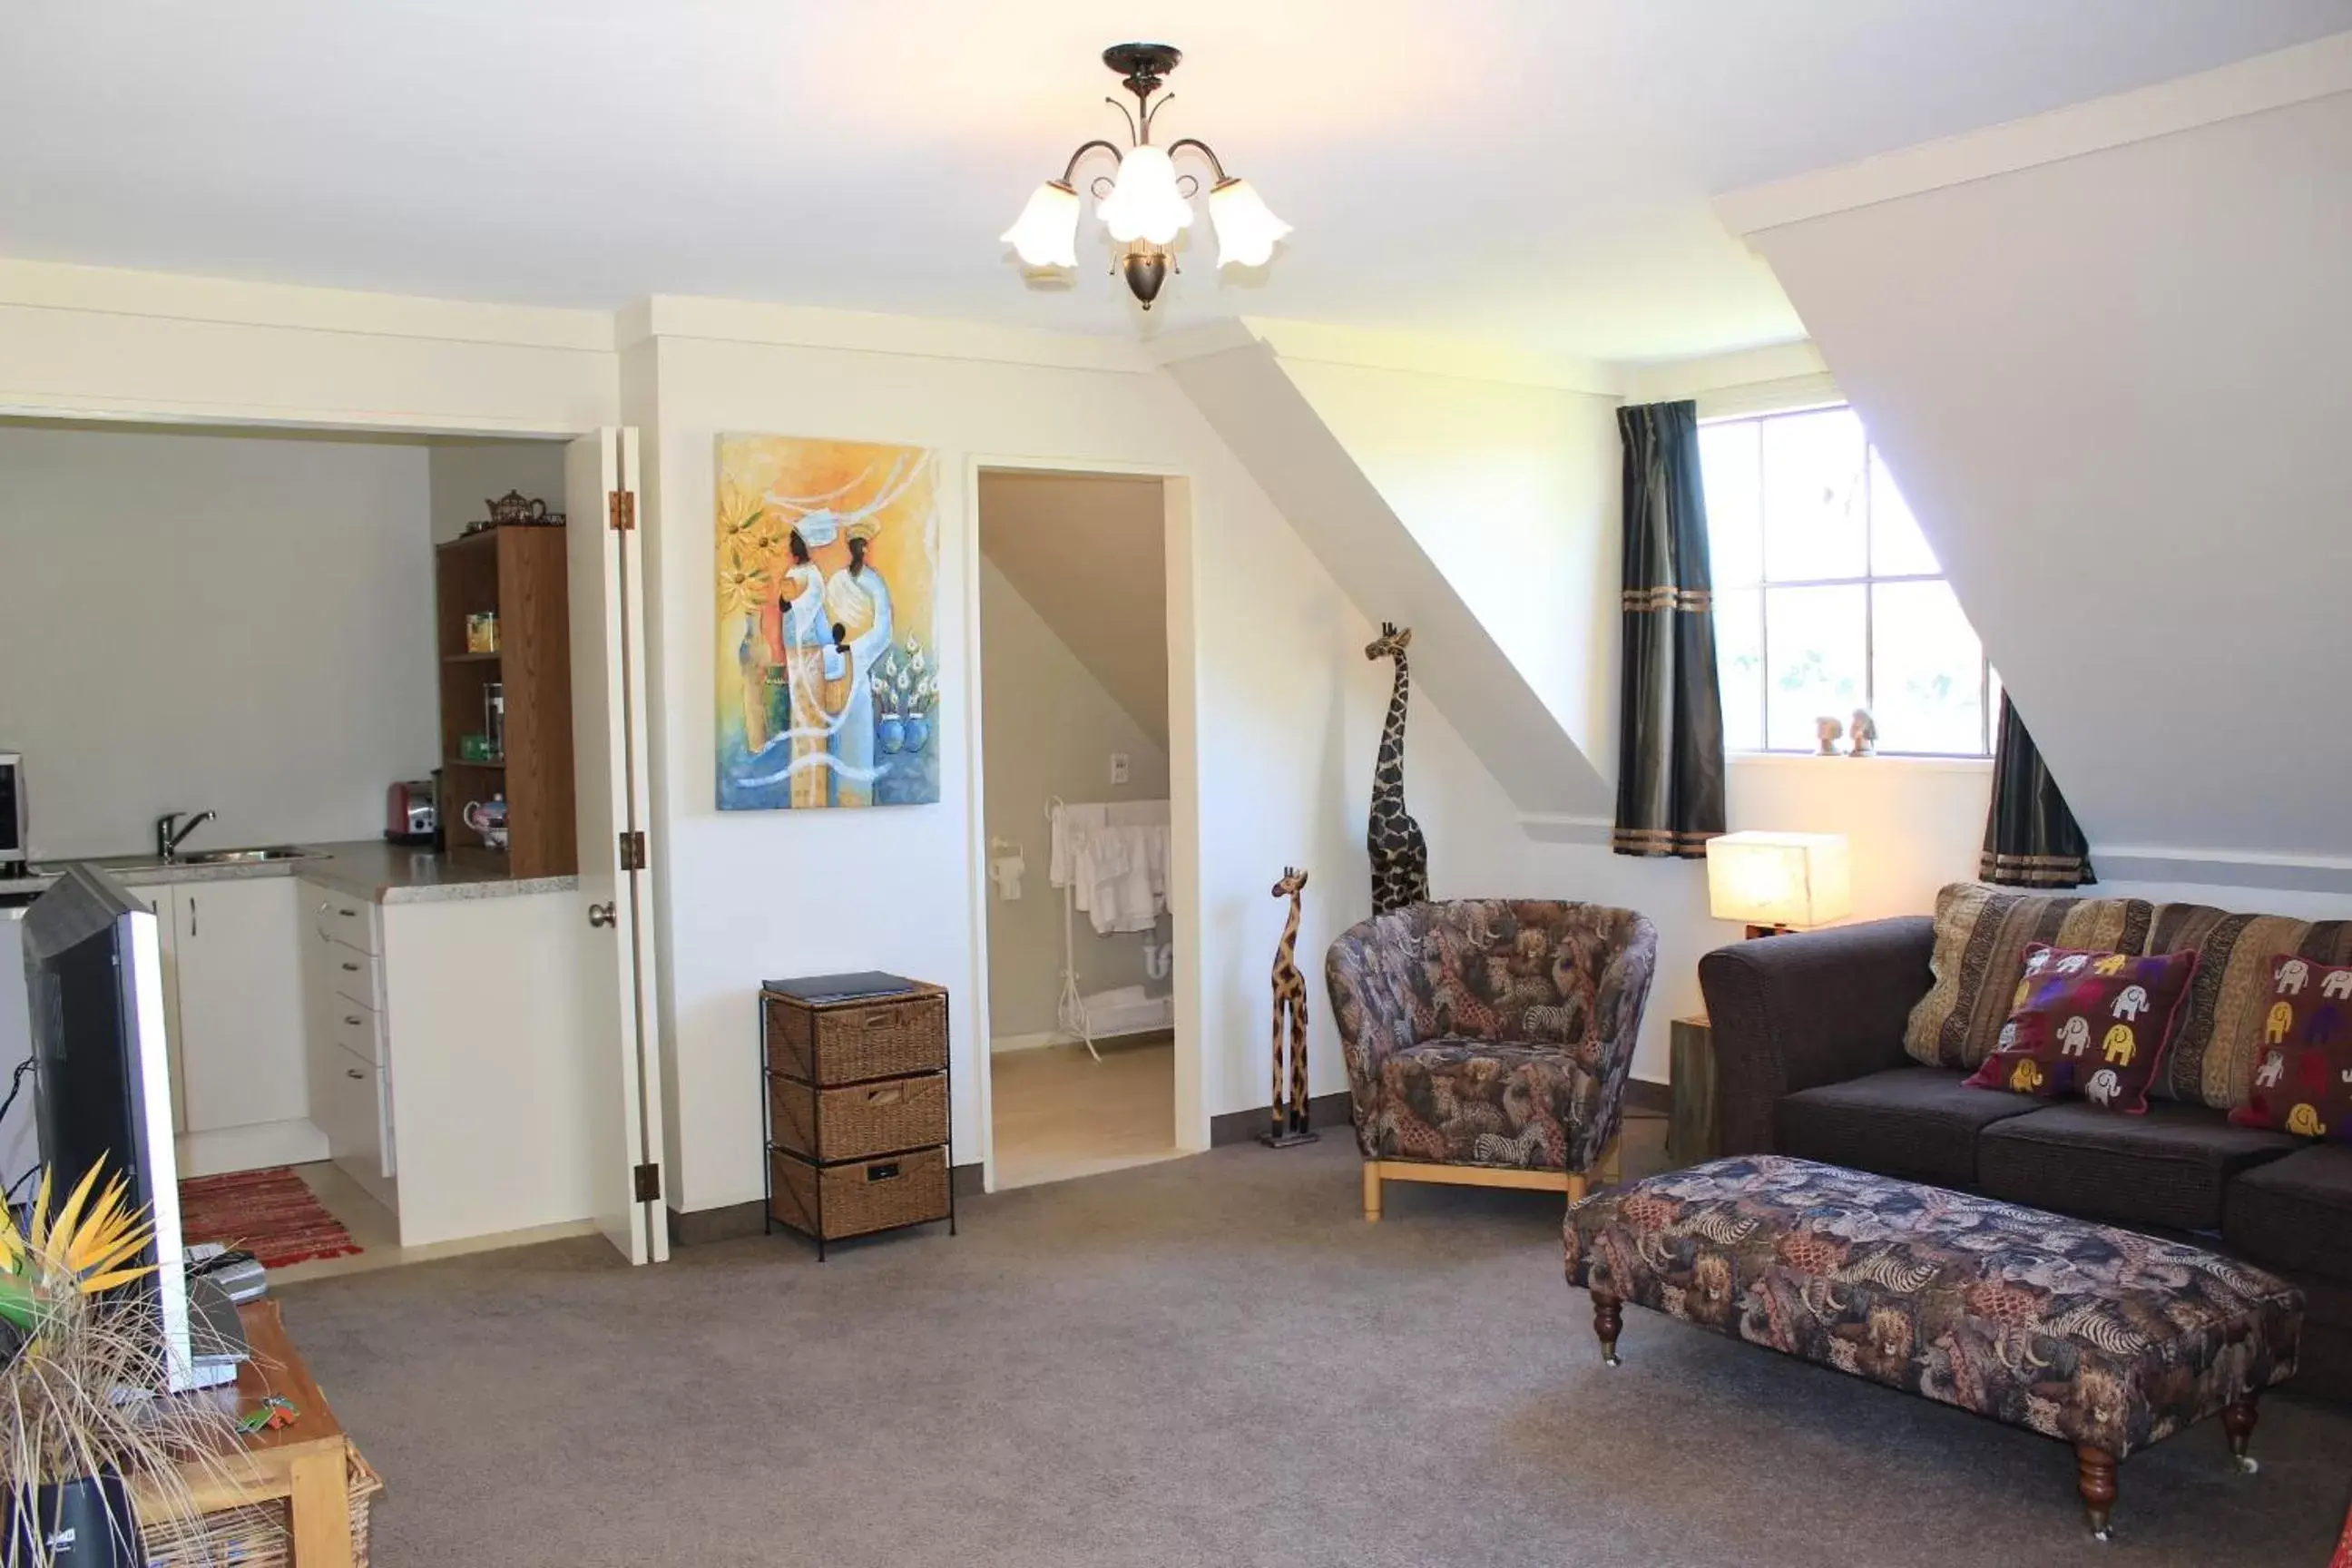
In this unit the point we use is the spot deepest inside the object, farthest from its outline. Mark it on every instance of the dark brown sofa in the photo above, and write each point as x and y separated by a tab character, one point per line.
1808	1033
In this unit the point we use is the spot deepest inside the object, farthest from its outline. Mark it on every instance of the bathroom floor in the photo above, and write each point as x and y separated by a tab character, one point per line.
1060	1113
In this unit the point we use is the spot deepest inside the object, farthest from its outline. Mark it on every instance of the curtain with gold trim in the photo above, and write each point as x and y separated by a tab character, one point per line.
1670	726
2031	839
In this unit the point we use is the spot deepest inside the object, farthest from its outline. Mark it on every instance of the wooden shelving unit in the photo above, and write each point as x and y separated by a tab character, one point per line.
520	572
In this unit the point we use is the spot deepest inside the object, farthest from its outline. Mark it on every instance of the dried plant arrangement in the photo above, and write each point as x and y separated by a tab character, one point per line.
82	1391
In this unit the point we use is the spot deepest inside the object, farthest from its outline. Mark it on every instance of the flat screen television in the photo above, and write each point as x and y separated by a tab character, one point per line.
101	1072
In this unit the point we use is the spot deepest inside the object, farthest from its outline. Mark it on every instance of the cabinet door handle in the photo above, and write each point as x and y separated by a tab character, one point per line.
349	914
351	968
352	1019
601	916
354	1072
192	914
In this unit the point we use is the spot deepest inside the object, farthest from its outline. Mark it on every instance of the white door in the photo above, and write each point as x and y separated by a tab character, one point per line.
241	1041
609	725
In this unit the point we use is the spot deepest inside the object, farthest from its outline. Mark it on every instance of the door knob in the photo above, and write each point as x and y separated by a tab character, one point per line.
601	915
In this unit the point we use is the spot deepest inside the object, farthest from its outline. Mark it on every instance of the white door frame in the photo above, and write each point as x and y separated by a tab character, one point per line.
1191	1129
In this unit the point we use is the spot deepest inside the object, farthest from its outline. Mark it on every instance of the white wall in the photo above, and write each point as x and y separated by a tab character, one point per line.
1513	492
2111	377
469	474
194	621
1050	728
748	894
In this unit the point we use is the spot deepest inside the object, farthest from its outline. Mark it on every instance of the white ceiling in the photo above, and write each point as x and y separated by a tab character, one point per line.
1530	170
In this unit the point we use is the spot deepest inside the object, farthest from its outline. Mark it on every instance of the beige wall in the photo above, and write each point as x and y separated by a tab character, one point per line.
469	474
1050	728
233	623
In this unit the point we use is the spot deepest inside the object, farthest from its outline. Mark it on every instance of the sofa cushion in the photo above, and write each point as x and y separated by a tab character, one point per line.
2303	1079
1982	933
1515	1103
2295	1212
2094	1024
1920	1124
2220	1036
2167	1169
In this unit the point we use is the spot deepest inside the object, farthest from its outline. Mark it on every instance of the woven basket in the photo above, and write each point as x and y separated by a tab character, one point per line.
860	1197
857	1120
851	1043
259	1535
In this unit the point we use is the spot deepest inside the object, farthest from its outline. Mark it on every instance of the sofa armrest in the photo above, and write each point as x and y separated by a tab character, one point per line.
1794	1012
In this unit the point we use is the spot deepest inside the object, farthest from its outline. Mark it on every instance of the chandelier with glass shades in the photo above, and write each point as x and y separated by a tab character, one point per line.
1148	203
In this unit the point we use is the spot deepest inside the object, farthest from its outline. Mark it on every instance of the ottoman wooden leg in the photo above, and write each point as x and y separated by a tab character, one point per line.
2238	1421
2095	1473
1371	1190
1607	1319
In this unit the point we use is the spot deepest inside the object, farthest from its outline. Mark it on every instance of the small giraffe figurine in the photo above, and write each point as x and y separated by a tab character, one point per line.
1400	856
1289	1001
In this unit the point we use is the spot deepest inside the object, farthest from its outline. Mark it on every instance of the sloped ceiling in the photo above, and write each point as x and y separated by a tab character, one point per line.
2115	387
1088	554
1305	467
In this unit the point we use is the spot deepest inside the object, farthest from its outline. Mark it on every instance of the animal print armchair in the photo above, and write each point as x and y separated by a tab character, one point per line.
1488	1041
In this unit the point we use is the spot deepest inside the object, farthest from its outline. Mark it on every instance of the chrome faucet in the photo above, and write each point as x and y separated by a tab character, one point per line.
171	833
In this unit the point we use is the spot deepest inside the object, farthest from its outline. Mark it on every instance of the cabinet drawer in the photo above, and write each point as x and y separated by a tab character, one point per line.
358	1029
828	1045
858	1120
356	976
339	917
860	1197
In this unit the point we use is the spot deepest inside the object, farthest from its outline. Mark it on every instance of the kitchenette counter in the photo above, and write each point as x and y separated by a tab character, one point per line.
372	870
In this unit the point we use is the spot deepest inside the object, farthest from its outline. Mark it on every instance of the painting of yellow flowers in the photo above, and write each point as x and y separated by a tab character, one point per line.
828	603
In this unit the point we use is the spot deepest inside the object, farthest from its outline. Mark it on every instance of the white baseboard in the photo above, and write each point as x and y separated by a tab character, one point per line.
253	1148
999	1044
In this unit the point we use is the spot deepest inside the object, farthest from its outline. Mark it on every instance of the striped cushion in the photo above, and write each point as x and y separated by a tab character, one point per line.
1981	934
2219	1032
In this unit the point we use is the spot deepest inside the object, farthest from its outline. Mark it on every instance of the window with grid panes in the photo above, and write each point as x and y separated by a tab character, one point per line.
1827	597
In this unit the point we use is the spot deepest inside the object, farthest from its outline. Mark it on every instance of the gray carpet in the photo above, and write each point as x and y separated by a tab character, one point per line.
1213	1360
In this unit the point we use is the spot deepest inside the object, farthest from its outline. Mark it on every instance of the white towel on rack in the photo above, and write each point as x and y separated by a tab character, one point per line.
1121	877
1071	823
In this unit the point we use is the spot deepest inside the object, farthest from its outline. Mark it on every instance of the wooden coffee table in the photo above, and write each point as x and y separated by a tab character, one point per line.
307	1462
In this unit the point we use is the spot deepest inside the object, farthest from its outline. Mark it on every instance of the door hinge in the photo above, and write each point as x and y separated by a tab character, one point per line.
623	507
649	1184
633	851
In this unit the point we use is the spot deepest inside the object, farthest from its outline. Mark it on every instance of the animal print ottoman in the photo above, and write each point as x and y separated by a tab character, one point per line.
2099	1336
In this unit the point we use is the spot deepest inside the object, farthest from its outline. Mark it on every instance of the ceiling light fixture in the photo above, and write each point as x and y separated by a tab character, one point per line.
1148	203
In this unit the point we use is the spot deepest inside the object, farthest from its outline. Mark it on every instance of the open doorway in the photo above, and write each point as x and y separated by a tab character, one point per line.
1076	809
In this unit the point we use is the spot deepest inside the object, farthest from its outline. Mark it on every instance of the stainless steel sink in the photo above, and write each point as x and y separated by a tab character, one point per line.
245	857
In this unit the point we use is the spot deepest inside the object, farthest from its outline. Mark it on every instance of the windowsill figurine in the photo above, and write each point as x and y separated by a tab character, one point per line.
1865	731
1827	730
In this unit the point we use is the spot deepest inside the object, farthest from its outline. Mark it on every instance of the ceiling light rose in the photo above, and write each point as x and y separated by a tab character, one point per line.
1148	203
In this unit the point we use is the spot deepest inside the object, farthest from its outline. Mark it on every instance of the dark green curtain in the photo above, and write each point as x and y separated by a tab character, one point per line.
1670	728
2031	839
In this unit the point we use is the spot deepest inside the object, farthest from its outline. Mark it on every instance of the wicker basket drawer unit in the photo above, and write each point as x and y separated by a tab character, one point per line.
853	1070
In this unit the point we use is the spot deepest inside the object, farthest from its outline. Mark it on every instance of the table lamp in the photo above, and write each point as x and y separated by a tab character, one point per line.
1777	881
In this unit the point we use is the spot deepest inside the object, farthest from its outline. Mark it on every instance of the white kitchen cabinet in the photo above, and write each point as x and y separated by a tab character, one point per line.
233	1012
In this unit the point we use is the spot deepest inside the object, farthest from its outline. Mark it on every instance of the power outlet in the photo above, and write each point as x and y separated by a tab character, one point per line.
1118	768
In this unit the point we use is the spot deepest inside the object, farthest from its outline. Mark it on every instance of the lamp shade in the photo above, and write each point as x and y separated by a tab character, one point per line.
1795	880
1047	232
1144	204
1247	228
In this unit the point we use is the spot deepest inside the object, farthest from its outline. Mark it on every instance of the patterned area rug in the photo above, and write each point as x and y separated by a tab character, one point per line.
270	1214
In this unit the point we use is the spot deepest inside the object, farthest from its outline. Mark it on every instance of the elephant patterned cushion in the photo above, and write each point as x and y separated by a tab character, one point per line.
2303	1079
2088	1023
2099	1336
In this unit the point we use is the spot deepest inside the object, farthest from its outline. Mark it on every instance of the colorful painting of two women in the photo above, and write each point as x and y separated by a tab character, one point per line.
828	668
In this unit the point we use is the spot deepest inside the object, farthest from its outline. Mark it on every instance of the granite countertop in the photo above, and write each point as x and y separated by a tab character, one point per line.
365	868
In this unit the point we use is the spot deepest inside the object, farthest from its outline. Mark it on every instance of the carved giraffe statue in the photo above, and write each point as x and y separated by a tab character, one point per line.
1400	856
1289	1005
